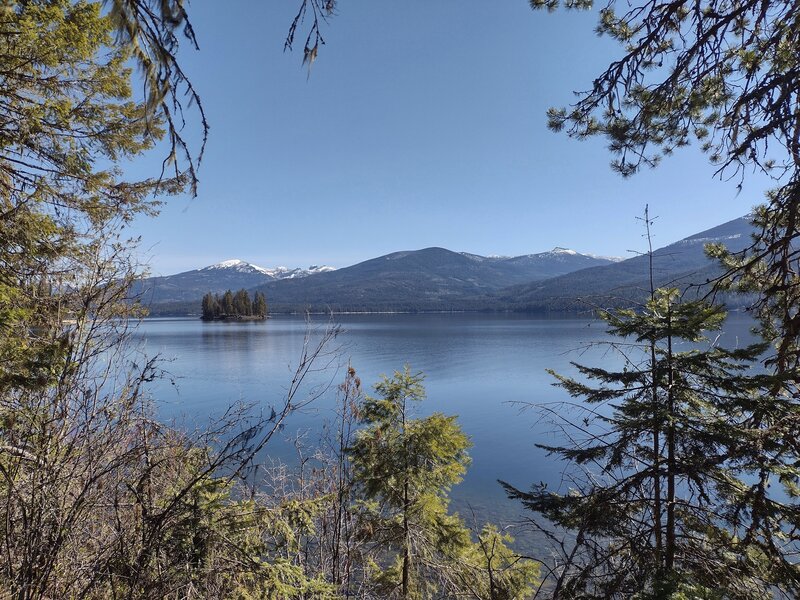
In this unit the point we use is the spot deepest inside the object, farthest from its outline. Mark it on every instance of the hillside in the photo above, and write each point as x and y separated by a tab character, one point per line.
437	279
682	264
190	286
428	279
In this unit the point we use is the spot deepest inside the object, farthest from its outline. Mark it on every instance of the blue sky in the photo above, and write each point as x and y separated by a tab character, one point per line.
421	124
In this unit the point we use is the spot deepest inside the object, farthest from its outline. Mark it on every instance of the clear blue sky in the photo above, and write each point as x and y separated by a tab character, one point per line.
422	124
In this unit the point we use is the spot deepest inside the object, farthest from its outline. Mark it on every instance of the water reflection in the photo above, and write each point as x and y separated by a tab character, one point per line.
480	367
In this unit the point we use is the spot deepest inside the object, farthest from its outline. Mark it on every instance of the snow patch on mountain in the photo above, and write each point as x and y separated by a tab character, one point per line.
477	257
286	273
314	269
238	265
707	240
557	253
608	258
280	272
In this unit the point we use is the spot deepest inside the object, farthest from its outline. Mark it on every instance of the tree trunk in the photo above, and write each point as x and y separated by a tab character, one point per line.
406	542
406	536
670	541
657	533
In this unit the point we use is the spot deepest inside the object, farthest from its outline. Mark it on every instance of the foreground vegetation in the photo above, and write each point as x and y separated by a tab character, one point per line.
687	482
98	498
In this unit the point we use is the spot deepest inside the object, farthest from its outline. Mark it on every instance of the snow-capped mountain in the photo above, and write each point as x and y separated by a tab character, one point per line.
233	274
683	264
241	266
558	250
427	279
558	254
439	279
543	265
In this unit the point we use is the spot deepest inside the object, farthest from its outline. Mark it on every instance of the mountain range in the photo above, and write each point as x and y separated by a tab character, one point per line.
427	279
682	264
437	279
232	274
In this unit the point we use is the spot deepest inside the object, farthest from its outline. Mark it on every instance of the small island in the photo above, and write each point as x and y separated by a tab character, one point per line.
234	307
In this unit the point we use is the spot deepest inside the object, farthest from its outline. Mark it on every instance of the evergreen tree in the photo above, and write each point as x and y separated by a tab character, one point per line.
404	467
724	75
210	304
664	505
228	309
233	305
260	305
242	307
98	499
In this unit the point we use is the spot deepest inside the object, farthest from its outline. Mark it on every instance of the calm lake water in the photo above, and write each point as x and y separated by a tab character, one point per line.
483	368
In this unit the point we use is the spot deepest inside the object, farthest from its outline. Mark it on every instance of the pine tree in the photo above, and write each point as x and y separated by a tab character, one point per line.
208	312
228	309
723	75
667	450
260	305
242	306
405	467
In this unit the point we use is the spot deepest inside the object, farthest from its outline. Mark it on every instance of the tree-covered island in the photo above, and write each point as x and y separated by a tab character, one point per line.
234	307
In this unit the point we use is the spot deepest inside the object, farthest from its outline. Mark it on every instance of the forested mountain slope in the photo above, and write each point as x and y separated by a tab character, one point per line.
682	264
437	279
235	274
428	279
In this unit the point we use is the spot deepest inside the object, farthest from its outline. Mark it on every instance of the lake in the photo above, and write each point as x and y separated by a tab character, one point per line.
483	368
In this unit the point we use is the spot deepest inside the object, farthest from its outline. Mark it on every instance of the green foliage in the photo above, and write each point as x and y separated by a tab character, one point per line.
405	467
241	304
66	98
662	501
398	459
213	542
69	124
260	305
97	499
723	75
490	569
274	542
233	306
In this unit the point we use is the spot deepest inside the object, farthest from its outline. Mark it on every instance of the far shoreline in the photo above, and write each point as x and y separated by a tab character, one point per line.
231	319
